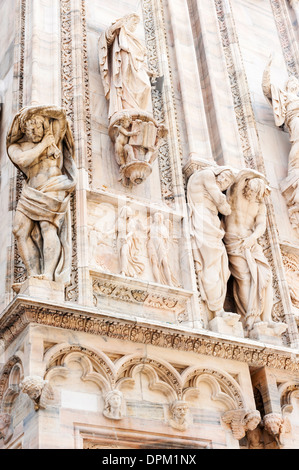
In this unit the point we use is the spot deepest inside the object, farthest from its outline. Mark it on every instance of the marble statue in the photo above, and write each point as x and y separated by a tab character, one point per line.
128	243
285	105
252	275
205	200
158	247
40	145
127	86
179	415
241	421
113	405
123	66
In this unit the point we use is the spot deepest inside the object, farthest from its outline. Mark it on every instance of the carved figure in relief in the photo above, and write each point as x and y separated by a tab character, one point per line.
126	80
205	199
6	427
179	415
129	243
285	104
38	390
40	144
275	426
252	275
124	151
241	421
113	404
158	246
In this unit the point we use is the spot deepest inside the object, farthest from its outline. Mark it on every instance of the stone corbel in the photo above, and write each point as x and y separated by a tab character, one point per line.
241	421
179	415
276	425
38	390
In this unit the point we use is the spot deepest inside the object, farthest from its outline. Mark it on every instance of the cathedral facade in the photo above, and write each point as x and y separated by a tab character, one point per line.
149	170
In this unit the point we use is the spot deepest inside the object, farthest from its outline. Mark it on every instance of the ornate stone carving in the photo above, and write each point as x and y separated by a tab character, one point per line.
18	316
158	246
128	243
132	127
150	297
205	199
38	390
251	272
241	421
40	144
179	415
6	427
67	91
291	265
275	425
113	405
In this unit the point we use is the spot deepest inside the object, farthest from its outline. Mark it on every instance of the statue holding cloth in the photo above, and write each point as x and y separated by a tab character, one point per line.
41	146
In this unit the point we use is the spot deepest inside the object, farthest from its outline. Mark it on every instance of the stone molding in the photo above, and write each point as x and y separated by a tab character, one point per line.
22	312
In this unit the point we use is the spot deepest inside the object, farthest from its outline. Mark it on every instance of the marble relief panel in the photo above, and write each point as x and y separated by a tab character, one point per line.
132	241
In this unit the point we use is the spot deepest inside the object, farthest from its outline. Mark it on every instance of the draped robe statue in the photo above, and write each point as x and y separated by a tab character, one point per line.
127	87
123	68
252	275
40	145
205	200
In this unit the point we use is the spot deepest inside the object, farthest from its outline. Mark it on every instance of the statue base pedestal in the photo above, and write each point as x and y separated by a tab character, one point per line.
228	324
41	289
268	332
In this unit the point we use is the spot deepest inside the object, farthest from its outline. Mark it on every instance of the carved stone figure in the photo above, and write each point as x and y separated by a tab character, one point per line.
255	438
123	67
275	425
179	415
127	86
285	104
158	246
252	276
113	405
241	421
38	390
205	199
128	243
40	144
6	427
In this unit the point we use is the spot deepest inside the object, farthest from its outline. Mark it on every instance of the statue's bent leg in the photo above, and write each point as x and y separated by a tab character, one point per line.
28	250
51	249
268	304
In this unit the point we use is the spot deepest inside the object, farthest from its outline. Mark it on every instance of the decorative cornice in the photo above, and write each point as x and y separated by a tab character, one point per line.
25	311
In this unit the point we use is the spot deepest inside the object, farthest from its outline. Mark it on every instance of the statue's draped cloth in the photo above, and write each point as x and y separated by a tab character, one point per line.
209	252
250	269
36	203
124	73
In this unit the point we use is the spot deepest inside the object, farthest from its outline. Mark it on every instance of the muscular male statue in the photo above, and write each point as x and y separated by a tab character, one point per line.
250	269
40	144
